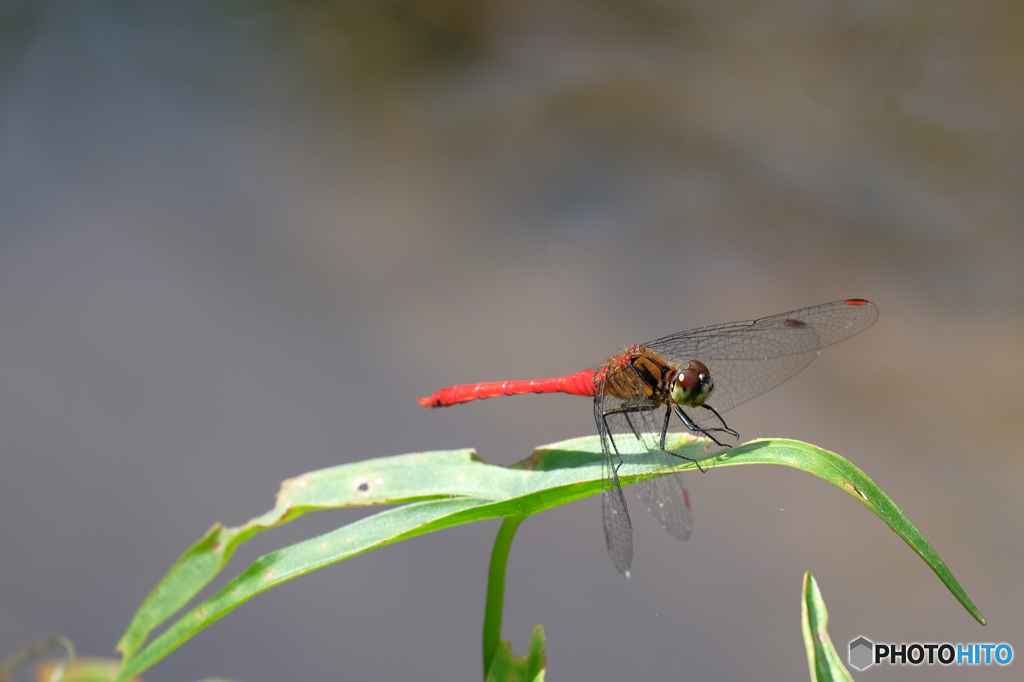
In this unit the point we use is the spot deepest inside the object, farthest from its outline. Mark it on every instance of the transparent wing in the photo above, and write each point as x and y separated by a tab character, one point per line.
749	358
633	427
618	531
668	501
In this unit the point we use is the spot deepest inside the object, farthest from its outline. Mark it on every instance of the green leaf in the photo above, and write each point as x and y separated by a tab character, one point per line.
507	667
848	478
822	658
440	490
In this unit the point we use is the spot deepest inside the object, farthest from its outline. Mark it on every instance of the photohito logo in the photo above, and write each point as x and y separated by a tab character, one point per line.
865	653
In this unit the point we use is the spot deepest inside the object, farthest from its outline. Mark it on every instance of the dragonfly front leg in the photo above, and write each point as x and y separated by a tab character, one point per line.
705	431
722	421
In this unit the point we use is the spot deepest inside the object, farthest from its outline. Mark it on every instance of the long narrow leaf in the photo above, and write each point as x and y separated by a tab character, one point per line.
822	657
847	477
444	489
553	475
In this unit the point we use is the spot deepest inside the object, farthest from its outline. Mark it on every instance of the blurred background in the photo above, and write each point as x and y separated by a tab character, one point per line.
237	240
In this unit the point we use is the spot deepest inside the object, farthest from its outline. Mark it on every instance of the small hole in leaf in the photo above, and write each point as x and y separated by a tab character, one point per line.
362	485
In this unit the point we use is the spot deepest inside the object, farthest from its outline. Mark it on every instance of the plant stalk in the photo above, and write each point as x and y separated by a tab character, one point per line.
496	588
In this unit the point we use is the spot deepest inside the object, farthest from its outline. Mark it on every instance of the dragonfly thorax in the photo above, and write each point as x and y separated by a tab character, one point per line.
640	374
637	374
692	385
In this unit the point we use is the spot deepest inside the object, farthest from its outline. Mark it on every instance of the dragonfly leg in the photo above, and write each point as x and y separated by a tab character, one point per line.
664	426
625	411
604	418
632	428
705	431
726	426
664	434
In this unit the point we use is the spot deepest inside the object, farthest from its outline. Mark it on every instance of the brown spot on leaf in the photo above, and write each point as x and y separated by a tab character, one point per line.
849	487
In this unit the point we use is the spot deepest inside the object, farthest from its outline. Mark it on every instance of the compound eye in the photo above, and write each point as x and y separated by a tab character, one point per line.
688	378
697	366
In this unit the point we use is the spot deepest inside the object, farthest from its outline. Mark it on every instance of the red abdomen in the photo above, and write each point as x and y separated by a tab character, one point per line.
580	383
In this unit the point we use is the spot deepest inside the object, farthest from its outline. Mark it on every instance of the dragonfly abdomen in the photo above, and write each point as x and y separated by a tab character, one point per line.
580	383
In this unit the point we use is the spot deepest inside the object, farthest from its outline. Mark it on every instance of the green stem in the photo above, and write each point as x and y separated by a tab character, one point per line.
496	588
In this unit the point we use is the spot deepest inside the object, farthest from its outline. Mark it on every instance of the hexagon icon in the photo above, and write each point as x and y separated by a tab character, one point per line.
861	653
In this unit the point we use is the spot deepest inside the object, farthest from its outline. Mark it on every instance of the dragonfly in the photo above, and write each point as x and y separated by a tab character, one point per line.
692	378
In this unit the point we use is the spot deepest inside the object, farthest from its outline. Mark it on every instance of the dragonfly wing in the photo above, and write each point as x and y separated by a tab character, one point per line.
737	381
668	500
618	531
751	357
630	424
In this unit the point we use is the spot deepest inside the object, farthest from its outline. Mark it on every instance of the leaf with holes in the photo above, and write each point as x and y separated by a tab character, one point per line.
443	489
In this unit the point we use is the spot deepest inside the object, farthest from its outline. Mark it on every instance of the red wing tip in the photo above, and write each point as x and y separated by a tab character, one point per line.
856	301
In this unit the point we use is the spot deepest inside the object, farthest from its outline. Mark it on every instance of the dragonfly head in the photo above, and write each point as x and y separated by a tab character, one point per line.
692	384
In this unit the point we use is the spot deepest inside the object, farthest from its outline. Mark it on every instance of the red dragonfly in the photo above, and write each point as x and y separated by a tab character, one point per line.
695	376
